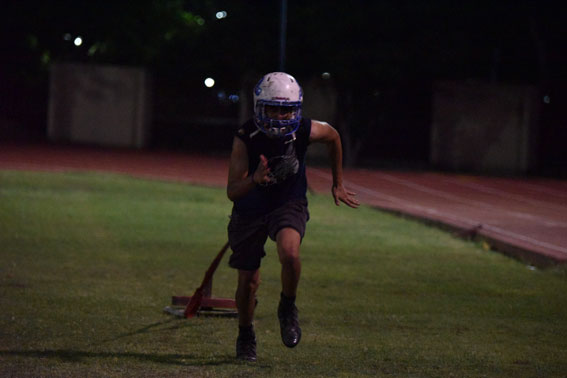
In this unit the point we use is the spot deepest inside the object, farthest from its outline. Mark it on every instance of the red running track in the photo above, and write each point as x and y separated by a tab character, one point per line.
525	218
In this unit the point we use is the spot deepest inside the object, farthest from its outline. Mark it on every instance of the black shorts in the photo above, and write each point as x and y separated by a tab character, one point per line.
247	236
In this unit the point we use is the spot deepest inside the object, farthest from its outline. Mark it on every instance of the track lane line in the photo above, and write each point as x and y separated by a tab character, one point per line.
429	210
469	202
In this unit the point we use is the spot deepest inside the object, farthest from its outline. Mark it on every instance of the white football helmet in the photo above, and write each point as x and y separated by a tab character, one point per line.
277	89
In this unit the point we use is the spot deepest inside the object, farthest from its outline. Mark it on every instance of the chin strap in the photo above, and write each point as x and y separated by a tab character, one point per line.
292	139
291	136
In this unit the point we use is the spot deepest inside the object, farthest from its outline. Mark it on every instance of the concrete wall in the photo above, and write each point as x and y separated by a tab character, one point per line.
485	128
320	103
102	105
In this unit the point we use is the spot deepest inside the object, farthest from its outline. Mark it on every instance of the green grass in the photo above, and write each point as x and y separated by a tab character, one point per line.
89	261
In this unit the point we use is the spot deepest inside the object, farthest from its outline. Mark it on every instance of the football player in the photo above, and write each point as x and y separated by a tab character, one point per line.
267	184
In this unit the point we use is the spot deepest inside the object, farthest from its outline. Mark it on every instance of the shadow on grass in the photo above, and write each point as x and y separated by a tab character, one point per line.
149	328
75	356
174	323
171	324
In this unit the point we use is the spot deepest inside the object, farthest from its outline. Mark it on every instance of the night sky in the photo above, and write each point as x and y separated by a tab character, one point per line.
362	45
505	40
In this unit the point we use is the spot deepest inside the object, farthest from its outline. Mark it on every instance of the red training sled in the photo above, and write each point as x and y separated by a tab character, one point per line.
202	302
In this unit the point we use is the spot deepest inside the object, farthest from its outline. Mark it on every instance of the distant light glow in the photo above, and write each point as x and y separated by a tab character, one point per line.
209	82
325	75
45	58
92	50
200	20
221	15
67	37
78	41
546	99
234	98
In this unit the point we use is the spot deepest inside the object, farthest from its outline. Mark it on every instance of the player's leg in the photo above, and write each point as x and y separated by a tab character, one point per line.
288	241
286	226
247	239
248	282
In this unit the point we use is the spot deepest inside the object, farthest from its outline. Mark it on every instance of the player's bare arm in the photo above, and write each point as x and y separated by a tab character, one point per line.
322	132
239	183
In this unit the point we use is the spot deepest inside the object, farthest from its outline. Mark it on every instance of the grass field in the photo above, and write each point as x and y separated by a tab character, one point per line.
89	261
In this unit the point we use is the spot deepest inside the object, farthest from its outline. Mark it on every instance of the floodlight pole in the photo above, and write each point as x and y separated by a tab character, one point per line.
283	27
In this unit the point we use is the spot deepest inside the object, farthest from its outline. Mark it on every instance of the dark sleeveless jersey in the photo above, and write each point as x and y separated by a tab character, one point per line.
286	161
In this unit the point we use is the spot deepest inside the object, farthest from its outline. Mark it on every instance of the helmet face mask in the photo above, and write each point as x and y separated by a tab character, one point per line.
278	99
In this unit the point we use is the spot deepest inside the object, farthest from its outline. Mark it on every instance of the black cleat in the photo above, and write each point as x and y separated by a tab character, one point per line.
246	348
289	325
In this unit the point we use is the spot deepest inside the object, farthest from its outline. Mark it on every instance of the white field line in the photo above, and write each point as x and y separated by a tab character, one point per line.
432	211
